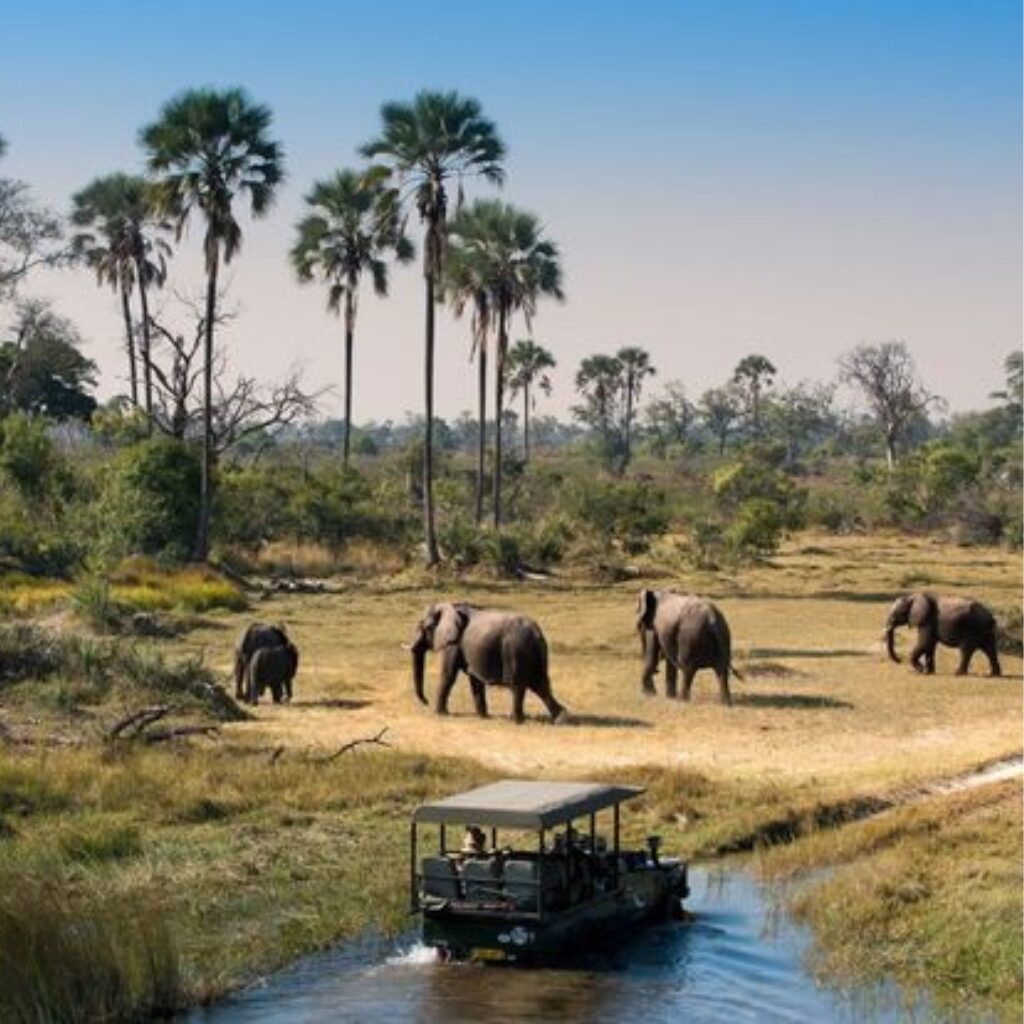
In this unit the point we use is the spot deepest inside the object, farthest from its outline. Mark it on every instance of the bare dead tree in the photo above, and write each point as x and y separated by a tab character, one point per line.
887	377
242	407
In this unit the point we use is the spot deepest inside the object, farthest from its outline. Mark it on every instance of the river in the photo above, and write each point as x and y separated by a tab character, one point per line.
740	959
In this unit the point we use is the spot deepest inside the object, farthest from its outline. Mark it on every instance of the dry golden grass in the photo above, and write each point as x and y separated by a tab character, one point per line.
820	704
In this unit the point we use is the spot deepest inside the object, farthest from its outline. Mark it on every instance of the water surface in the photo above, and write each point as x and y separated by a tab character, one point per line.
741	959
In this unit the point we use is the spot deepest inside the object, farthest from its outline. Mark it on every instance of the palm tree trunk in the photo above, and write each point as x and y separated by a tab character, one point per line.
629	418
481	446
499	395
349	330
126	310
206	479
147	362
430	538
526	422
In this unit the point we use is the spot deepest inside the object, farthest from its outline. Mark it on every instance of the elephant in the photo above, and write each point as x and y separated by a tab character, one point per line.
492	646
274	667
953	621
691	634
257	635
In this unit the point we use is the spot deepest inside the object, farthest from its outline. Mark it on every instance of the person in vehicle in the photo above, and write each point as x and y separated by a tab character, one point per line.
474	842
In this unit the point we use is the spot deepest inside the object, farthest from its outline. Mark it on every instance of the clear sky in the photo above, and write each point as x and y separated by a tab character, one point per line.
789	177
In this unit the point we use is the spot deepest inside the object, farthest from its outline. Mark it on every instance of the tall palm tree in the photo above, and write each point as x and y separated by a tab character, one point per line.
521	266
438	139
351	229
467	282
527	363
124	245
208	149
636	366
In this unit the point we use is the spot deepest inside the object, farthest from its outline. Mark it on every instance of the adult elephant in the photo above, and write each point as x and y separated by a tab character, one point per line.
493	647
273	668
256	636
691	634
952	621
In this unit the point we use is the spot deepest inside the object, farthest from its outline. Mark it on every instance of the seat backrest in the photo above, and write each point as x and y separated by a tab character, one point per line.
440	878
521	883
479	880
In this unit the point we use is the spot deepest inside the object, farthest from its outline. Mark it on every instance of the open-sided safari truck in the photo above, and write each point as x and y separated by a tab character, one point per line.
515	898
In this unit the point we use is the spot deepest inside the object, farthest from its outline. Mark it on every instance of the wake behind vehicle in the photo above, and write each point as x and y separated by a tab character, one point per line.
524	902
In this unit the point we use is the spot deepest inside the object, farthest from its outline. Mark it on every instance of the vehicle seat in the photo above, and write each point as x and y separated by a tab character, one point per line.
521	883
480	882
440	878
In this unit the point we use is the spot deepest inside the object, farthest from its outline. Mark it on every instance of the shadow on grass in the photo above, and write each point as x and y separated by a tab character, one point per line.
337	704
790	700
606	721
808	652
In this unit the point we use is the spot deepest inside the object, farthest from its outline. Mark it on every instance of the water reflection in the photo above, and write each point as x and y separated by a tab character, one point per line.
741	959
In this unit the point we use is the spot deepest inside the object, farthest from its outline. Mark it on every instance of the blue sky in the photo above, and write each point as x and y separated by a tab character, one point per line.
784	177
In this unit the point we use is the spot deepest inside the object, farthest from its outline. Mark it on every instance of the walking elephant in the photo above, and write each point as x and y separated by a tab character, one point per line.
952	621
493	647
691	634
256	636
272	667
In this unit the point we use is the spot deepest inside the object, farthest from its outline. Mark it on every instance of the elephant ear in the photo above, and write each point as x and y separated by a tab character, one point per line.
922	609
450	624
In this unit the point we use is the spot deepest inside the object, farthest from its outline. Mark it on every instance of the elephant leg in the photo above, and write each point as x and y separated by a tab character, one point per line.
288	689
518	699
254	690
924	649
449	673
671	679
479	695
275	692
652	651
992	653
240	673
554	708
966	652
723	685
688	673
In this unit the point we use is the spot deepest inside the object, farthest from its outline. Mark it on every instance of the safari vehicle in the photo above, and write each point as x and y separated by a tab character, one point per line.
535	901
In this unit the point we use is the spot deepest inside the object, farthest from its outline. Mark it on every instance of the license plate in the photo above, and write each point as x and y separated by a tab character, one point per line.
488	954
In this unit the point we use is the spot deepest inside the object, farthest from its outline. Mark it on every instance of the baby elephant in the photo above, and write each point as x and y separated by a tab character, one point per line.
256	635
691	634
273	667
952	621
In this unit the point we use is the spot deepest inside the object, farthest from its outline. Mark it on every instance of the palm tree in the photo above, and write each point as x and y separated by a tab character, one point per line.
125	248
518	265
636	366
350	230
527	363
466	282
209	148
438	138
752	375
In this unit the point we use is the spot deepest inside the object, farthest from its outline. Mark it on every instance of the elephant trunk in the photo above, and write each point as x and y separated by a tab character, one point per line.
419	659
890	634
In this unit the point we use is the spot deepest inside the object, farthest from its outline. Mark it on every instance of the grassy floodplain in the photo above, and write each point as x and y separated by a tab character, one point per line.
219	859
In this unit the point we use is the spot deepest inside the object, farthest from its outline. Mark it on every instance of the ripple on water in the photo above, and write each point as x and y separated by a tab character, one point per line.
741	959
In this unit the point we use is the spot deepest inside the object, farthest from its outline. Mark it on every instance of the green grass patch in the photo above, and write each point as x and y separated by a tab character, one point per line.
928	895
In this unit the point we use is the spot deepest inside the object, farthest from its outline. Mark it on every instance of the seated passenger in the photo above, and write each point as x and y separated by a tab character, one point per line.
474	842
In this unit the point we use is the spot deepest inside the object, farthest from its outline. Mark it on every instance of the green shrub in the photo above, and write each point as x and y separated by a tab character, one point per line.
92	599
630	513
757	529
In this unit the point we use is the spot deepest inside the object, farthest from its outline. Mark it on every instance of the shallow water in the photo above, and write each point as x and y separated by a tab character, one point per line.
741	959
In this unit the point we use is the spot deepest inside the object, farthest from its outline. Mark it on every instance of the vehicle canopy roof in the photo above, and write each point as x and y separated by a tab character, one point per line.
514	803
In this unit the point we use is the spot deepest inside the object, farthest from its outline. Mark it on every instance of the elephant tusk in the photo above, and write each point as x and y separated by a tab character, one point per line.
406	647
